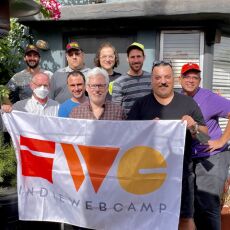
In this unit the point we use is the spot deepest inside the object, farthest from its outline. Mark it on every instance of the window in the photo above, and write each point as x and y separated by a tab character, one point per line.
221	71
181	47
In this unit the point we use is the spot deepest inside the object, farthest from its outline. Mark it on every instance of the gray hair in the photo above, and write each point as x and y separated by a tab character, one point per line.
97	71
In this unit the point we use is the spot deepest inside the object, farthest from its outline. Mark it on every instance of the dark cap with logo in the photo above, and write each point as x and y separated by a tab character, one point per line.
72	46
31	48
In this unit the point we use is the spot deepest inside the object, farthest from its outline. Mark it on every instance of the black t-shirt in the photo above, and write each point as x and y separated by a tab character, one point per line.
114	76
148	108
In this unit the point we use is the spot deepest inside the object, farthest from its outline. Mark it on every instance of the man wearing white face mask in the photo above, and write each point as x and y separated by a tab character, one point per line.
39	103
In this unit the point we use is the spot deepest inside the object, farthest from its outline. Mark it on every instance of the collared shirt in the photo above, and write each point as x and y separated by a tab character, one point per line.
31	105
212	107
111	112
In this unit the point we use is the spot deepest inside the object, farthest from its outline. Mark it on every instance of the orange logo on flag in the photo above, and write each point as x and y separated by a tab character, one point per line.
74	164
98	160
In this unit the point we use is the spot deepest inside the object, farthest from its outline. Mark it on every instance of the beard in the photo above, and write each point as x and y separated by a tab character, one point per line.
32	64
77	96
136	67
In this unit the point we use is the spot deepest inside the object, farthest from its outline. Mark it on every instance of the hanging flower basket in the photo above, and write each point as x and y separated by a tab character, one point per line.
50	8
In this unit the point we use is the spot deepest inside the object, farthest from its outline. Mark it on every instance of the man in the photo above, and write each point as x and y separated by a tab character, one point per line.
164	103
38	103
76	86
75	59
211	161
97	107
19	84
136	83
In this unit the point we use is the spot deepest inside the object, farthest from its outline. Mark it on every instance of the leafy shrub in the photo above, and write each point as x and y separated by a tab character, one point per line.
8	165
11	50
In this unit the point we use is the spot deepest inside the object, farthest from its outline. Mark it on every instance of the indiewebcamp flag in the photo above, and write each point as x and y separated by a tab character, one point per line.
98	174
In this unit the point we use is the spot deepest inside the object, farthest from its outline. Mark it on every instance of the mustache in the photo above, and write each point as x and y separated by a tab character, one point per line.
164	85
135	63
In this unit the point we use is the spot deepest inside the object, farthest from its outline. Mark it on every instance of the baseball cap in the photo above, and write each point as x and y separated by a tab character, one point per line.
135	45
72	46
30	48
190	66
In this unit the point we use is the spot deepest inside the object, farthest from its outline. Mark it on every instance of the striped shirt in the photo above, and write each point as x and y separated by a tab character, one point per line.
111	112
126	89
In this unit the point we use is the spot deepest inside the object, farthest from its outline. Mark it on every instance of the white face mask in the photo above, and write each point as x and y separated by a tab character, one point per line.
41	92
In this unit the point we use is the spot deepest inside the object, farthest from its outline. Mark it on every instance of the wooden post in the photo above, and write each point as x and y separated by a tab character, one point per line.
4	18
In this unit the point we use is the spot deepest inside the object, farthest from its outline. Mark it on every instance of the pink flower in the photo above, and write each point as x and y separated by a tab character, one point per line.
50	9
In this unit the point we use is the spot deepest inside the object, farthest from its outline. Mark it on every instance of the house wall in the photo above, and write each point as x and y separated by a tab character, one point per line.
54	58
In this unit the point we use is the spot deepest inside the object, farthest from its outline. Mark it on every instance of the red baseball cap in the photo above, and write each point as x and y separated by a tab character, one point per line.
190	66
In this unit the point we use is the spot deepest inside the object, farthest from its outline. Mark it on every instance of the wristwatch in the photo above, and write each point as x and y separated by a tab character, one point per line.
194	130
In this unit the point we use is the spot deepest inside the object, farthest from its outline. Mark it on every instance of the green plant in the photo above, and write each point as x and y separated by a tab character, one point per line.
11	50
4	94
50	8
8	165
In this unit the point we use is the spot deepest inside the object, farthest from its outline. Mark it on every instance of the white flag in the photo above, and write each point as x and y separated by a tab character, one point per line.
98	174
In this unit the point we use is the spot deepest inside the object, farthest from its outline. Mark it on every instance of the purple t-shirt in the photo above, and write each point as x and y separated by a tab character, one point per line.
212	106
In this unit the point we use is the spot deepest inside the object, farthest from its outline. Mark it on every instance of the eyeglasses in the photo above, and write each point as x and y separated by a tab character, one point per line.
191	77
161	62
76	52
110	57
95	86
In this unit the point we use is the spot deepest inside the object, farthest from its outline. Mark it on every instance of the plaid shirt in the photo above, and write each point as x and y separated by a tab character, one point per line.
111	111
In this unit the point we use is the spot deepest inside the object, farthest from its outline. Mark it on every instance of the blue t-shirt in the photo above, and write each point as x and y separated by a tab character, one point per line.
66	108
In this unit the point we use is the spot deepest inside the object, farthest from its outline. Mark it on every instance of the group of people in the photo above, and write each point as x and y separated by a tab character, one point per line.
101	93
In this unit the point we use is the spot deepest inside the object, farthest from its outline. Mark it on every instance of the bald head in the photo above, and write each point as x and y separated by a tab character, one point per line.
40	79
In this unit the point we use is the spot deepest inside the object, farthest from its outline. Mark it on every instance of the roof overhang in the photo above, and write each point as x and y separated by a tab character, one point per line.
157	10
